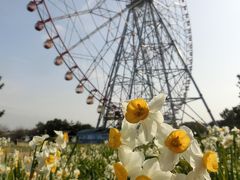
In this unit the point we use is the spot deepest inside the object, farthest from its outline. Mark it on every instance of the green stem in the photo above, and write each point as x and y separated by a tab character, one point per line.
69	157
33	164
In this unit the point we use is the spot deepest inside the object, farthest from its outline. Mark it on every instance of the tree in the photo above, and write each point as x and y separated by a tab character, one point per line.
1	86
238	84
231	117
59	125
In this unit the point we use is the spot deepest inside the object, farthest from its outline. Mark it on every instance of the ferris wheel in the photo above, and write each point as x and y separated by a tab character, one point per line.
122	49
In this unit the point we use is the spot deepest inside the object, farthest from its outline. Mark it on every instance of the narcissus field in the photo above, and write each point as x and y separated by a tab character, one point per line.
144	148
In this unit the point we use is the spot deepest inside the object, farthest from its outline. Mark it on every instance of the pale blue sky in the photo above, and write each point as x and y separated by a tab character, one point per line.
35	89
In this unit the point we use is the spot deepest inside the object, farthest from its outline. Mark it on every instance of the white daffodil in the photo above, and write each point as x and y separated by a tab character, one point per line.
210	142
76	173
66	173
227	141
62	138
225	130
4	169
175	143
16	158
51	162
148	115
48	159
27	163
38	140
59	173
235	130
204	163
50	147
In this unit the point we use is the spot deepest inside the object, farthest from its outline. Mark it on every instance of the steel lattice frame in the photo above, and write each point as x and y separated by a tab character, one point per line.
123	49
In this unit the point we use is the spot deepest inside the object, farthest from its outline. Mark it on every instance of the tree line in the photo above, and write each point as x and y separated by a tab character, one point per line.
1	86
46	128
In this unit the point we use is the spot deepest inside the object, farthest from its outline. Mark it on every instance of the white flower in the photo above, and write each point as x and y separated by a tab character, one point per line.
38	140
235	130
204	163
210	142
225	129
48	159
27	163
59	173
4	169
175	143
76	173
227	141
147	115
62	139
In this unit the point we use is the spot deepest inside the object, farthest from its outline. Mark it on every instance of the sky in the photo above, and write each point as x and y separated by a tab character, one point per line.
35	89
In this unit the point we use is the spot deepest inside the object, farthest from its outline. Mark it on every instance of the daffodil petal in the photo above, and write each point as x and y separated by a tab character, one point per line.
156	116
131	136
128	157
128	129
123	151
151	168
195	147
132	161
151	164
140	137
169	158
189	131
149	128
194	152
157	102
124	107
163	131
180	177
162	175
206	175
198	174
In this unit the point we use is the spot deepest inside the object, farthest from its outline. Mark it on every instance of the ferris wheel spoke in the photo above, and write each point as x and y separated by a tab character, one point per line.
109	34
96	62
104	12
58	18
89	40
97	29
100	58
56	6
68	14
